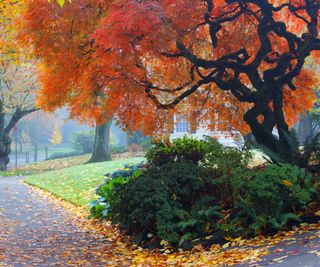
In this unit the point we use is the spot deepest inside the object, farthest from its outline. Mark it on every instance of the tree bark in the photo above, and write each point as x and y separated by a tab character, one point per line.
5	139
5	150
101	150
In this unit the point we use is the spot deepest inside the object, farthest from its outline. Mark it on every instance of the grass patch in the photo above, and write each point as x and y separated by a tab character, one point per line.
77	184
60	149
14	173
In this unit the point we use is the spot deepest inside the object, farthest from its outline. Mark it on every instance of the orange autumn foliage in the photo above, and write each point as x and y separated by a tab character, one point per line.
125	57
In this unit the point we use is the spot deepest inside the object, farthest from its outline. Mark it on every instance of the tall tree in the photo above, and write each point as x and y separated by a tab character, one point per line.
18	79
230	58
69	71
17	88
56	137
237	61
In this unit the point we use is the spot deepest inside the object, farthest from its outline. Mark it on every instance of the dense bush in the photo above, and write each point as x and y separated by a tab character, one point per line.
191	189
175	202
267	200
83	141
164	152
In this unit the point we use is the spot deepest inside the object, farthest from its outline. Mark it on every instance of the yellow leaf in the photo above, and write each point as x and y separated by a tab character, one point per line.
286	183
164	243
226	245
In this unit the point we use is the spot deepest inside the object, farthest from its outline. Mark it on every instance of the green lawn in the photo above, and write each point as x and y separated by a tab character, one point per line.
14	173
77	184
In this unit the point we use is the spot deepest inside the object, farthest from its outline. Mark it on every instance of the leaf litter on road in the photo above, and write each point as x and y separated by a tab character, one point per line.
57	231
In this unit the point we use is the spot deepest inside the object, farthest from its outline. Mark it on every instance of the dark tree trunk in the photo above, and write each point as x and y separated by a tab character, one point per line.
5	149
101	150
5	142
261	132
5	139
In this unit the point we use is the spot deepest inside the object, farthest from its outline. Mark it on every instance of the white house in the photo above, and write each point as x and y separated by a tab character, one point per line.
183	128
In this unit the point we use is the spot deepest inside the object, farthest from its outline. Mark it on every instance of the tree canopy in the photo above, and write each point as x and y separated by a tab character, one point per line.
18	78
241	62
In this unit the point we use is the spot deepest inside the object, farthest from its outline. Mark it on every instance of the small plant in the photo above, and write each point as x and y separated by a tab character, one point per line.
268	199
128	170
83	141
108	192
201	219
102	207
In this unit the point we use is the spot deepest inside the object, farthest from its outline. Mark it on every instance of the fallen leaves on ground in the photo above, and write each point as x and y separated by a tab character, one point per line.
38	229
236	251
57	164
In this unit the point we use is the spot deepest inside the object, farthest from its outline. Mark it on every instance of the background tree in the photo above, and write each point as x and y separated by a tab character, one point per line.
56	137
18	80
101	149
24	140
38	126
62	41
17	88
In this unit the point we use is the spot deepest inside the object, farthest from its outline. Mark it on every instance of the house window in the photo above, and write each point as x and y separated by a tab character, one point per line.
182	126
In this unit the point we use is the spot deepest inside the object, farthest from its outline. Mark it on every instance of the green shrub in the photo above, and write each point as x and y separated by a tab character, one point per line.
160	154
222	162
83	141
108	192
146	144
175	202
164	152
61	155
267	200
179	195
189	149
117	149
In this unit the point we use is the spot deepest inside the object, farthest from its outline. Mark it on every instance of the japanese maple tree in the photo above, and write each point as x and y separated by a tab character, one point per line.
69	74
236	64
233	61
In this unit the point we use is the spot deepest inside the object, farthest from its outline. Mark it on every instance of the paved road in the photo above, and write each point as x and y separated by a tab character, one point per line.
302	250
34	232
